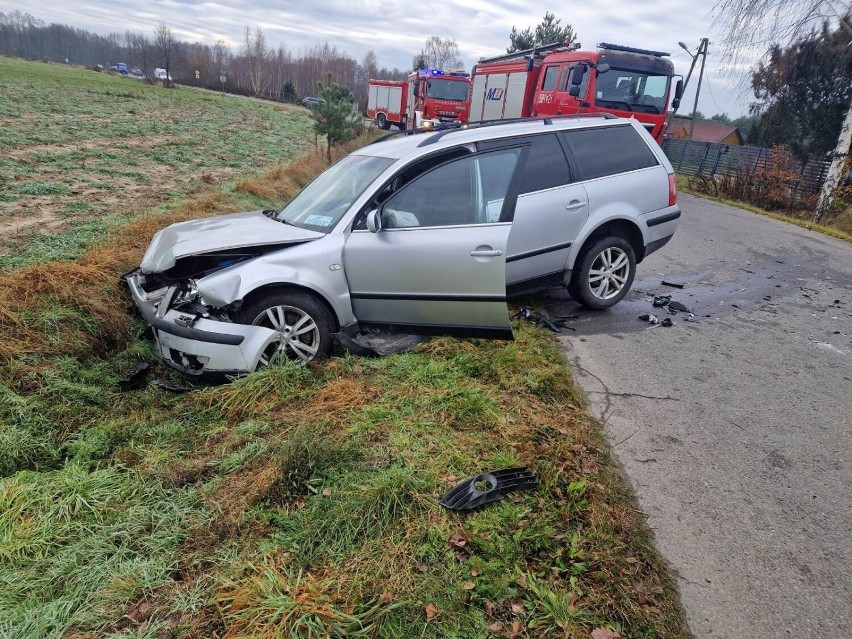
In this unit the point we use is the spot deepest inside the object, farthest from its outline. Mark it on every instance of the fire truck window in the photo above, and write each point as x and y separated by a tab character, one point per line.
467	191
545	167
550	76
629	90
584	85
609	150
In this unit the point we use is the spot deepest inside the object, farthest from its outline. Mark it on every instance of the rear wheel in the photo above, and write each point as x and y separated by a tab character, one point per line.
382	122
303	323
603	273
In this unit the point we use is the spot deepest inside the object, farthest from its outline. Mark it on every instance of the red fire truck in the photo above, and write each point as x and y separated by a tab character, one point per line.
428	98
563	80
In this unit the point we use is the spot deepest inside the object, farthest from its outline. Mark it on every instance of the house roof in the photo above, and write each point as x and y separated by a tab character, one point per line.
705	130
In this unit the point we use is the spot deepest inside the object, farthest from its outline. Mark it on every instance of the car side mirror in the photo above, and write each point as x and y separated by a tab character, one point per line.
574	90
374	221
603	68
577	75
679	90
675	104
416	90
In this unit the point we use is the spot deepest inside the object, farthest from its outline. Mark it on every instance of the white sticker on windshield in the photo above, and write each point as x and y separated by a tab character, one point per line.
319	220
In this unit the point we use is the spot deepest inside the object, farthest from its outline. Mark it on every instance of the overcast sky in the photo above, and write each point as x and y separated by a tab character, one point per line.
396	30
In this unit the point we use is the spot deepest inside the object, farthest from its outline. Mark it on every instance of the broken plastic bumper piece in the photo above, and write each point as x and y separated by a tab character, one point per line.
497	484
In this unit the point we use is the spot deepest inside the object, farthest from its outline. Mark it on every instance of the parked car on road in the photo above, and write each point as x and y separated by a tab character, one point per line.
425	232
312	102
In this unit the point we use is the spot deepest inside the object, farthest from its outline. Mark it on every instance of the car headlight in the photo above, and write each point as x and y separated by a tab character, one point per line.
187	293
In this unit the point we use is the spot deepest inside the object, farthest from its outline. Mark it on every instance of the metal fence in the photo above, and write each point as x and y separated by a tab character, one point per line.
706	159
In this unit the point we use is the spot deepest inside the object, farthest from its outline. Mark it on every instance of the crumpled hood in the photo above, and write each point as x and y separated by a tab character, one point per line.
238	230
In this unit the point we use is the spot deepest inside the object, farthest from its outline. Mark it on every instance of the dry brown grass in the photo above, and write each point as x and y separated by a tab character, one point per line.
337	398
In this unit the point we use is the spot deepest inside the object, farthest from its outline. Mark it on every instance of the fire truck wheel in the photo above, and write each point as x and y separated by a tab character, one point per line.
382	122
603	273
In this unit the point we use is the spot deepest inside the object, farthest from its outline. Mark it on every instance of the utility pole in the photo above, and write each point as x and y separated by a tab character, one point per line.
835	171
694	57
702	51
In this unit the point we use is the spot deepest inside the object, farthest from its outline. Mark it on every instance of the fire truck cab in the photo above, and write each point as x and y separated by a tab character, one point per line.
437	96
563	80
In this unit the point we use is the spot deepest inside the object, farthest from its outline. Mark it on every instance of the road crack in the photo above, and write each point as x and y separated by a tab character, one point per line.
608	394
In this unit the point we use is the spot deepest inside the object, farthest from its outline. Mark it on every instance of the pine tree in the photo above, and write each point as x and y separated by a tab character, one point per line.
334	116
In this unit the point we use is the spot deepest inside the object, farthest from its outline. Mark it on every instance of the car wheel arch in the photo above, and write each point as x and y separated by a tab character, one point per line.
618	227
266	289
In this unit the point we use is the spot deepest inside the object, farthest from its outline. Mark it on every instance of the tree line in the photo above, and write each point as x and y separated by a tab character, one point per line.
255	68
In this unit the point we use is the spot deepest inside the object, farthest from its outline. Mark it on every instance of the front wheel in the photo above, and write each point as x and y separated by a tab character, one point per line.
603	273
303	323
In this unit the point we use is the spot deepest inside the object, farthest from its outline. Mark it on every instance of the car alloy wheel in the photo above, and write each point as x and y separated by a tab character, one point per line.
298	331
609	273
603	272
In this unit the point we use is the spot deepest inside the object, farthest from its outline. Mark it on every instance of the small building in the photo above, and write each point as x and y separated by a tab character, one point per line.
705	131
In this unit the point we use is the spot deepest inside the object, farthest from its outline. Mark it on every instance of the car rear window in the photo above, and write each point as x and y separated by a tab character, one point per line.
609	150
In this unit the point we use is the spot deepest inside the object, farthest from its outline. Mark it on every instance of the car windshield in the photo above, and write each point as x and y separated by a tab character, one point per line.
323	202
448	90
630	90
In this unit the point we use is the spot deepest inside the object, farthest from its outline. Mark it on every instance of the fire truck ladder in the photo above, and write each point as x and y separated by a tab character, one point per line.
535	51
619	47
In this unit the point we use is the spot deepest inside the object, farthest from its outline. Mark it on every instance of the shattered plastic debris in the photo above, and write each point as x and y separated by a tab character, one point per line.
172	387
665	283
378	344
662	300
539	319
135	377
655	321
677	307
466	496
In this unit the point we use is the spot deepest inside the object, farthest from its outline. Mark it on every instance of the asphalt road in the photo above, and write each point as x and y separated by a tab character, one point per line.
735	431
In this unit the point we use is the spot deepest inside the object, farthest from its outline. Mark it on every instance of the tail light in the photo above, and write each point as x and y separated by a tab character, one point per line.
672	189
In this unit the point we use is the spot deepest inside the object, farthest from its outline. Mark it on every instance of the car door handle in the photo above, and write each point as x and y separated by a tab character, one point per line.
575	205
486	253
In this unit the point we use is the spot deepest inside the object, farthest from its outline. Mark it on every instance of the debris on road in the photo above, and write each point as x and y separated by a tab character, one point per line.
655	321
665	283
677	307
662	300
487	487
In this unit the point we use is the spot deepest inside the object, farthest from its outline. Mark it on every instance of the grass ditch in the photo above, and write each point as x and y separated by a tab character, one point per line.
298	501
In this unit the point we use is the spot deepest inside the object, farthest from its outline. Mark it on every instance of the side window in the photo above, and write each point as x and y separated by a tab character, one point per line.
550	75
471	190
545	166
609	150
584	85
404	177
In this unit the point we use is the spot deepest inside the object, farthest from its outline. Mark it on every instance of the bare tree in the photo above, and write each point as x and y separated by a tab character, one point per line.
165	43
441	53
753	26
255	52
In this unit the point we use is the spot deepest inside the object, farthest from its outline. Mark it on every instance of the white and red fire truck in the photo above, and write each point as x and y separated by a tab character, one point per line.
427	98
563	80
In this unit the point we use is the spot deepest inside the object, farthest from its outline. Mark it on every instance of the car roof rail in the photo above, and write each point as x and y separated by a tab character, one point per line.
449	127
440	132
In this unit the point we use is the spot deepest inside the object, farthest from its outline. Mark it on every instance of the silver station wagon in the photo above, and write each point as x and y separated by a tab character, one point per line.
427	232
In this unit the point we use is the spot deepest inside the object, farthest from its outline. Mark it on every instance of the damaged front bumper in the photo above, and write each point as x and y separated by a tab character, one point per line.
198	345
